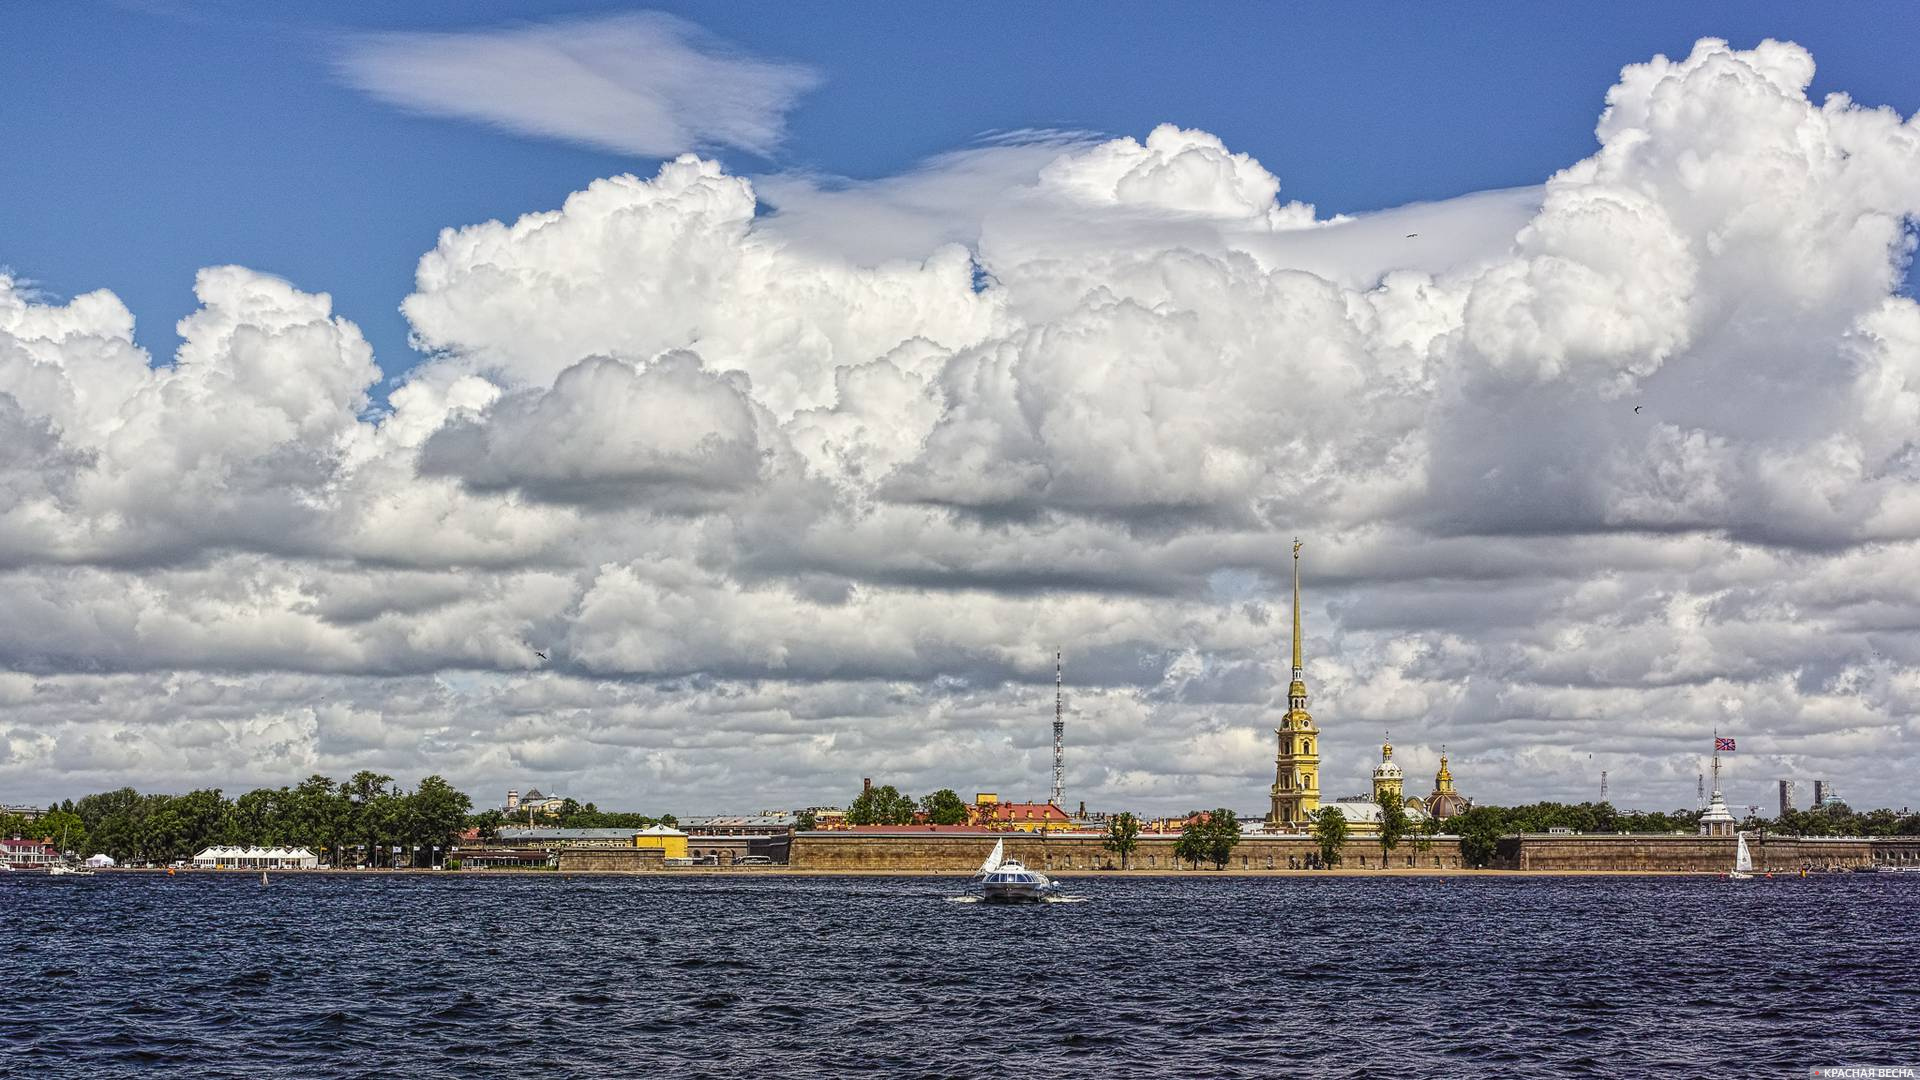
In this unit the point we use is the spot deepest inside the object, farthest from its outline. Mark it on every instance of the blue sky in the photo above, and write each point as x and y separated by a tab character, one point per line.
148	140
733	481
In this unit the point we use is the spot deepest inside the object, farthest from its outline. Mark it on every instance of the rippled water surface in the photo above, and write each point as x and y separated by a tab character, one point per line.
424	976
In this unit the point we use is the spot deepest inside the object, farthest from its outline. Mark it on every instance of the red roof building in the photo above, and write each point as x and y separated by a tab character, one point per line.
989	812
26	854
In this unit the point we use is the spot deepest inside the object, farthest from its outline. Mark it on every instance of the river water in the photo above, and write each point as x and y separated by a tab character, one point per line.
736	976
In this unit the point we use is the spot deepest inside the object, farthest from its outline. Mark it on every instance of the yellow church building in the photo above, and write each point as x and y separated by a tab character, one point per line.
1295	795
1296	768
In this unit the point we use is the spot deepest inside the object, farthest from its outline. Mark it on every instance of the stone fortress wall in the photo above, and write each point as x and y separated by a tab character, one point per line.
964	852
1699	854
1544	853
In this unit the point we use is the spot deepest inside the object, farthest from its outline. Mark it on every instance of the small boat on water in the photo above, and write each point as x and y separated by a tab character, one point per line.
1007	880
69	870
1742	862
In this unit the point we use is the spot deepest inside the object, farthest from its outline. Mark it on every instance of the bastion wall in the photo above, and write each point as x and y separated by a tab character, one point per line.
964	852
1699	854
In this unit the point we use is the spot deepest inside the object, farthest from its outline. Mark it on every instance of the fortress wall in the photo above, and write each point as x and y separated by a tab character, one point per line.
590	859
963	853
1700	854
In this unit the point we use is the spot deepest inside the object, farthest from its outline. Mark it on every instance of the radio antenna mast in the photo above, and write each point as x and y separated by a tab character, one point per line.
1059	733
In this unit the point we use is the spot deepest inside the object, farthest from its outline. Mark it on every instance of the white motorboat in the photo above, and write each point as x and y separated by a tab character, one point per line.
1742	862
1009	880
67	869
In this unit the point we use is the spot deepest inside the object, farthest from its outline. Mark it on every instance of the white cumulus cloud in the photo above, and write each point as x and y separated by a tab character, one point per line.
791	498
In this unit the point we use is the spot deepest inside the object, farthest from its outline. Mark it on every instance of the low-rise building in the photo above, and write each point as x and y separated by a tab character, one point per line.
523	836
23	853
730	849
989	812
671	842
23	811
739	824
505	858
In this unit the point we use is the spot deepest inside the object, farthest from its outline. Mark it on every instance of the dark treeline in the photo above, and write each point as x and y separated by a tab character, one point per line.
569	815
360	820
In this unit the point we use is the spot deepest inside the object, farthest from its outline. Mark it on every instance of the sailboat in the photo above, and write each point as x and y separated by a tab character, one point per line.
66	866
1742	862
1008	880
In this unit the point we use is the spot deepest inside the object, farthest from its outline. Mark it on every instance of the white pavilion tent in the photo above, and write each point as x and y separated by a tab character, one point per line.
256	858
99	861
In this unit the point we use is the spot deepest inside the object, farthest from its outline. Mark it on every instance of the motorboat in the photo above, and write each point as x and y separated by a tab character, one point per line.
1742	862
69	869
1005	880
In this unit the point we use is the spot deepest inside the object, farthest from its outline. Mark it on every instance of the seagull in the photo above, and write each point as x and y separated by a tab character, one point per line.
539	654
1411	235
1636	409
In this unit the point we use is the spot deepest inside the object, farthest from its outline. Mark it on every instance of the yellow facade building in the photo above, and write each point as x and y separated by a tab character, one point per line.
1296	767
670	842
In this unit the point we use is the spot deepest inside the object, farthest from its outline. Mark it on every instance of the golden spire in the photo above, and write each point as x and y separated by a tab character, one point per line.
1386	748
1298	671
1443	780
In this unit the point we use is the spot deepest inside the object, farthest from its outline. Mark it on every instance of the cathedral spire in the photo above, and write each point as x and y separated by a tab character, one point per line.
1296	768
1299	673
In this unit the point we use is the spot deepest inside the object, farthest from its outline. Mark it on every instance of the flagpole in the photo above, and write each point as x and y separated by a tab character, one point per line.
1716	759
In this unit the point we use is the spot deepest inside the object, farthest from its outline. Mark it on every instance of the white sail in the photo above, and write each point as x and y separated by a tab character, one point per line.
1742	861
994	860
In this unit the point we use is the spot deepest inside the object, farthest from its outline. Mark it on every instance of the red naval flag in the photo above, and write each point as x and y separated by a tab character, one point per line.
1722	744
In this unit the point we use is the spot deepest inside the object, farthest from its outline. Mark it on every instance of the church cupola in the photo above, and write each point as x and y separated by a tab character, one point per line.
1387	778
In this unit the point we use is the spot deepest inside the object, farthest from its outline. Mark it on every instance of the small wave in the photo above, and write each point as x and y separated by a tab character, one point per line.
1063	899
963	899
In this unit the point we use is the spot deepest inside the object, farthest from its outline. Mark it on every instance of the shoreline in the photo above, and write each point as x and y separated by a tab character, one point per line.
800	872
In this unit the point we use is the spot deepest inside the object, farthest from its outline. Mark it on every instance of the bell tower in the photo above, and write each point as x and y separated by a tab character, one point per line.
1296	768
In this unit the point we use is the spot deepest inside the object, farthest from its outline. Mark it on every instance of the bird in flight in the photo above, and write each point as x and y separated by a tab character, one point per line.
1411	235
539	654
1636	409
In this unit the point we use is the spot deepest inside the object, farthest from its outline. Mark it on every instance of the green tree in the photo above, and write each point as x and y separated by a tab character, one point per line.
805	821
1330	832
65	828
944	807
1394	824
488	821
367	794
1423	835
1123	836
1479	829
881	806
436	814
1223	833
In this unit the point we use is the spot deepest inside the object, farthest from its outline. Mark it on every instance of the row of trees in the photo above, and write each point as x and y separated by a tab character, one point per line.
365	816
886	805
570	815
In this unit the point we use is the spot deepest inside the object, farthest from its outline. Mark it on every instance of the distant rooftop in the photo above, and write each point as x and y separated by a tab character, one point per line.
510	832
740	820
